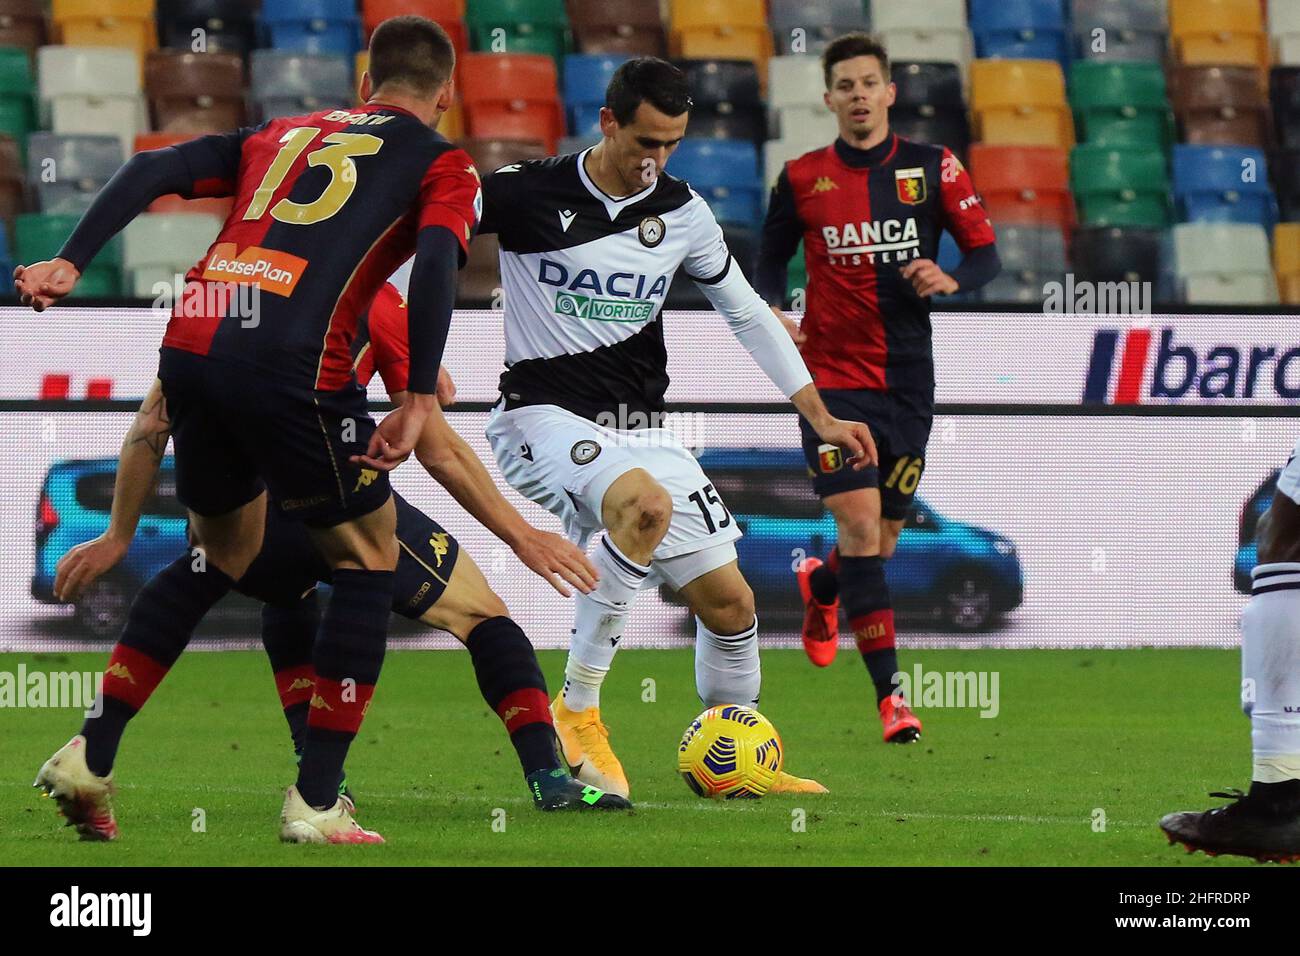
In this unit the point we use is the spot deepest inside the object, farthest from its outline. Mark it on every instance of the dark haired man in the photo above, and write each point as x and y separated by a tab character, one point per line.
589	245
869	209
327	205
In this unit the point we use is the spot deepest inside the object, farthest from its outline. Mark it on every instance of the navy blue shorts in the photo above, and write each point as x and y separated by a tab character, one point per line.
237	432
900	423
289	565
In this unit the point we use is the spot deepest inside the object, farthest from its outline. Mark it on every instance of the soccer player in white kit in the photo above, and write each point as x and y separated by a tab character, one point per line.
589	245
1264	823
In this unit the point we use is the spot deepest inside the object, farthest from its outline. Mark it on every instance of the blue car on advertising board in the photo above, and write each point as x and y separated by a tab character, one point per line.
945	571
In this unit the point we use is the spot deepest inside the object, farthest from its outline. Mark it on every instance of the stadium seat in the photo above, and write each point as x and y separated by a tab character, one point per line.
1221	104
1286	176
722	30
927	85
1284	28
1032	255
937	46
38	236
479	282
449	14
195	92
812	24
922	15
122	23
156	247
511	96
1222	32
727	100
1286	261
942	127
525	26
312	26
1132	30
812	125
22	24
217	206
1223	264
586	75
13	191
490	154
795	80
1284	92
725	174
283	83
1116	254
222	25
67	171
1119	187
1223	184
17	95
629	27
1120	104
1020	102
1020	29
575	144
1024	184
91	90
778	152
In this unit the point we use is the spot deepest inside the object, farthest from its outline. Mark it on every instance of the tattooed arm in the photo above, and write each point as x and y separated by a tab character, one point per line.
137	472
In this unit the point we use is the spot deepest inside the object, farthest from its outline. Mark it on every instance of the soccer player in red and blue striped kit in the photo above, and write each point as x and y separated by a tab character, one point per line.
869	209
326	206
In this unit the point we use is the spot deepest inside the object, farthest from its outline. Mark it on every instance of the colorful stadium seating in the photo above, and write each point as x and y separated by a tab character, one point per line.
1020	102
195	92
1118	254
1024	184
313	26
67	171
1119	187
1286	261
1223	32
1223	263
1121	104
1021	29
1223	184
511	96
1120	30
1221	104
630	27
158	246
585	77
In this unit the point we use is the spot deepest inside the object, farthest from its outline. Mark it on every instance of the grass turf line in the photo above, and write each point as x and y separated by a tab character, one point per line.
1133	733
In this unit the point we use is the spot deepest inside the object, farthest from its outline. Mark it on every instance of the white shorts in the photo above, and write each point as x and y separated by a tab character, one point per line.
1288	483
566	463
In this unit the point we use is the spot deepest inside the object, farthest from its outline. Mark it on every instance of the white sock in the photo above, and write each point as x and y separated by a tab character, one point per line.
727	670
1270	670
598	624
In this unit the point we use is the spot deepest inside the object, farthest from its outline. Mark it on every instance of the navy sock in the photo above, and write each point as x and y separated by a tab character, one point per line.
825	585
158	628
347	657
866	601
511	682
289	634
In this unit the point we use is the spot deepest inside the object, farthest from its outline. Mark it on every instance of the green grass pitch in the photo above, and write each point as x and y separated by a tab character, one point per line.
1132	734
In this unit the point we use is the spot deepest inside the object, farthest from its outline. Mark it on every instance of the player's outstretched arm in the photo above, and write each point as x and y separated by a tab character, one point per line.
137	470
212	161
452	463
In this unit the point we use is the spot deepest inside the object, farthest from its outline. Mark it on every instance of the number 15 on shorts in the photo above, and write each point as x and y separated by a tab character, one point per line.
707	494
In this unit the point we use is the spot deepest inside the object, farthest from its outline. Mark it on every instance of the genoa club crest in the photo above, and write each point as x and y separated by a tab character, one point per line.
829	458
911	185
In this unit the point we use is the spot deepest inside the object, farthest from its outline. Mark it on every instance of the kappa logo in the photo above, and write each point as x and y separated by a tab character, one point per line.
438	541
366	479
318	703
120	671
302	683
824	184
566	219
512	713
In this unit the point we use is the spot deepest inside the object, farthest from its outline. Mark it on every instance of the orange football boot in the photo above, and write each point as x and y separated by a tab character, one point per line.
821	622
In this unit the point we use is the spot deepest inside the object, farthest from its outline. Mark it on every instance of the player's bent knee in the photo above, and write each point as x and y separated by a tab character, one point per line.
638	504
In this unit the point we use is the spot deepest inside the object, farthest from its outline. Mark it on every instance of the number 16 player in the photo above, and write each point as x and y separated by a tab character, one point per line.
869	209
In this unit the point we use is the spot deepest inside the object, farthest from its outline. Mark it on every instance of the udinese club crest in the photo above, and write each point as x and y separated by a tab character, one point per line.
651	232
584	451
